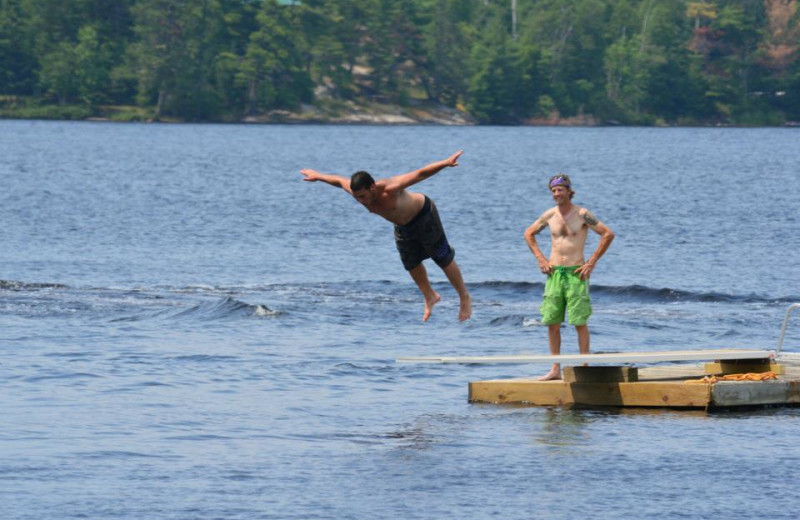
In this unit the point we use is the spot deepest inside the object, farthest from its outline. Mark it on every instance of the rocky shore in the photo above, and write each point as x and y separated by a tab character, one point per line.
349	112
328	111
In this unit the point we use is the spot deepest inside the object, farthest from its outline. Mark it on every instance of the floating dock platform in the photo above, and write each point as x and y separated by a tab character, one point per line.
757	380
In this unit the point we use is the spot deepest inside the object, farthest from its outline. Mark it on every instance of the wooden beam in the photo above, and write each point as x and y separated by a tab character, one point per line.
619	357
660	394
560	393
743	366
602	374
544	393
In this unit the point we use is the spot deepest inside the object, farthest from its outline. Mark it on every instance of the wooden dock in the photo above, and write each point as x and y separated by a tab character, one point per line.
612	380
666	386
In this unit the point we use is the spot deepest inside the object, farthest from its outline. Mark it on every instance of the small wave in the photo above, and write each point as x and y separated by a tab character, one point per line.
193	289
138	387
241	476
11	285
227	307
263	310
518	286
204	358
151	384
200	437
70	375
350	368
532	322
513	319
377	289
118	454
644	293
728	333
126	319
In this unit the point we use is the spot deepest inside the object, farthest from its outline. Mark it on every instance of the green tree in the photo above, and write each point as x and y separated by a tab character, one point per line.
273	70
676	85
447	43
494	85
393	49
77	72
17	60
173	56
725	39
627	75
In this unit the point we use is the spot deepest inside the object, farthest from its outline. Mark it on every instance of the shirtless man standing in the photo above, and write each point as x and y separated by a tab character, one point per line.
567	287
418	232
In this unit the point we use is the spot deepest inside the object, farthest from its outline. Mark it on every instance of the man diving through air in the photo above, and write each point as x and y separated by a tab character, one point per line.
418	232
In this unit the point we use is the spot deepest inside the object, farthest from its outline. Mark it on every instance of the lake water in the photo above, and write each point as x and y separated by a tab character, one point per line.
189	331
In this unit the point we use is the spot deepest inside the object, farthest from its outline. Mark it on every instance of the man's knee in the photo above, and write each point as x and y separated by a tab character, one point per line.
443	255
449	266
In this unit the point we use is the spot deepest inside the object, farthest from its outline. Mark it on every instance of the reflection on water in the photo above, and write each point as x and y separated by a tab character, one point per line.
563	427
416	437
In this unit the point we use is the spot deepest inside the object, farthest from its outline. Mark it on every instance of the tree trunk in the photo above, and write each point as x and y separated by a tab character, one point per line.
162	97
252	97
514	20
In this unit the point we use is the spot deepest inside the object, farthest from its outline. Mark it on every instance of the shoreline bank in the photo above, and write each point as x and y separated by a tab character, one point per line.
340	113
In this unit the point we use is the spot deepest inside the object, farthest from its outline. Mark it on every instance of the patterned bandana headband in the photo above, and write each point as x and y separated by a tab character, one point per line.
560	180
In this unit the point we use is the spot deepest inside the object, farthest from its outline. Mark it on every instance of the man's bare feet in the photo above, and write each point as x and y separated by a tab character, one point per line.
555	373
429	303
465	310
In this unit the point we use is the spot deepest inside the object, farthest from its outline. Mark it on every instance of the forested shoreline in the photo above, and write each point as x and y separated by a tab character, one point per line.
643	62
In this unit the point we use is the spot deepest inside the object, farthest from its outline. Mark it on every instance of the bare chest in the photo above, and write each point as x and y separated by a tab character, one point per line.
385	206
567	226
398	208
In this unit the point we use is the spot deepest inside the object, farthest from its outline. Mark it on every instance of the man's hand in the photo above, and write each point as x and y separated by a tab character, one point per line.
453	159
404	180
310	175
544	266
585	271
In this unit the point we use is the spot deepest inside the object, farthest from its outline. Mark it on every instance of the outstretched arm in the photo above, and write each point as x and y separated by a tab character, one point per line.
606	237
530	237
333	180
402	181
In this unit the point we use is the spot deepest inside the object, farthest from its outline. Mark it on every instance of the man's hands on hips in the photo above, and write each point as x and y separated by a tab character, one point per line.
585	271
545	267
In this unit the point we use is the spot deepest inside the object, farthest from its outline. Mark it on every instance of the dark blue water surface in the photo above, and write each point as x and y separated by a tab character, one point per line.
189	331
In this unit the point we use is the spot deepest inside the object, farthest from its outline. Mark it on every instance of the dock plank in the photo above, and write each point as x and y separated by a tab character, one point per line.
617	357
673	394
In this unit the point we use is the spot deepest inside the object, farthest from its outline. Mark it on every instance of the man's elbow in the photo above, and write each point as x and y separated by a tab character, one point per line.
609	236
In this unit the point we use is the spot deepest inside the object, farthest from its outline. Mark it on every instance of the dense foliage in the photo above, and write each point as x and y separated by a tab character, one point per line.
504	61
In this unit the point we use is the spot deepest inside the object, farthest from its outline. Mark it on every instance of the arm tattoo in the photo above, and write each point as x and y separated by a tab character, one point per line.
590	219
542	227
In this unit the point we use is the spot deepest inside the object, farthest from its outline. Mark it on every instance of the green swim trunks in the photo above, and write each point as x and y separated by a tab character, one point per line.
565	291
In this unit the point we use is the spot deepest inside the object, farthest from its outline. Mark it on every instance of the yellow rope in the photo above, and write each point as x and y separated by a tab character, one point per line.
751	376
